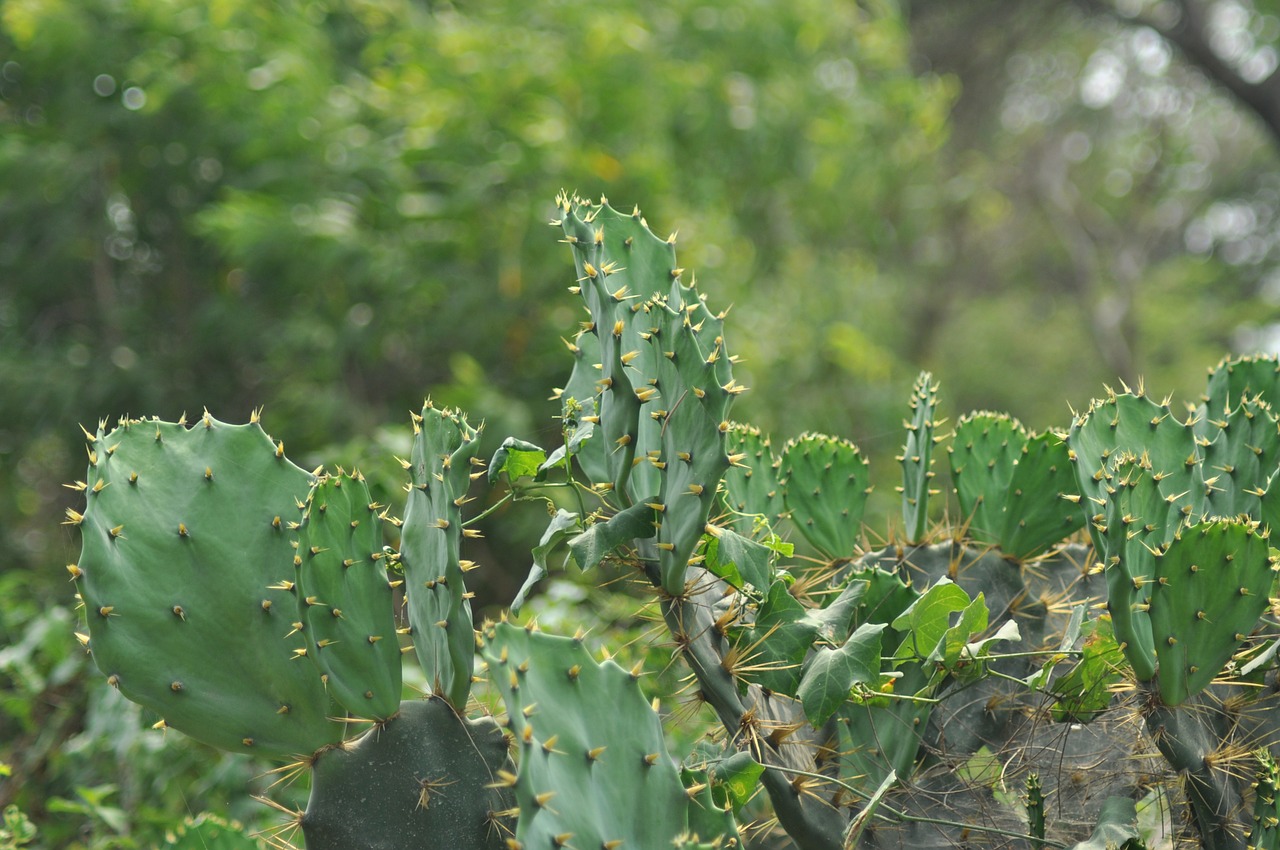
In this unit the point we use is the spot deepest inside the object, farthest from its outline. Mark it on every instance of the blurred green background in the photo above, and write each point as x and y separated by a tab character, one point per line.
333	208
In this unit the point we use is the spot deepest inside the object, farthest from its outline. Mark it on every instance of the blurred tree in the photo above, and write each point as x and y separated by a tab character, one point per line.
1108	189
331	208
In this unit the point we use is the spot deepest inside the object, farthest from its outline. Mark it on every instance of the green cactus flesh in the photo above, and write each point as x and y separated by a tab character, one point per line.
344	597
1241	452
621	265
751	490
1211	586
580	409
186	574
690	406
1136	425
593	765
436	596
425	778
1138	523
1016	490
1034	801
917	459
825	484
1234	379
1264	833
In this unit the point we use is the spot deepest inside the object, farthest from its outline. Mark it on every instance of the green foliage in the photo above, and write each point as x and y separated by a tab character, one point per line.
210	832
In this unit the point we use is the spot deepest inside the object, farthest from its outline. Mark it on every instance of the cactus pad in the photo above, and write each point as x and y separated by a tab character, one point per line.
344	598
917	458
751	488
1017	490
825	484
424	778
1234	379
430	546
185	576
1210	587
587	778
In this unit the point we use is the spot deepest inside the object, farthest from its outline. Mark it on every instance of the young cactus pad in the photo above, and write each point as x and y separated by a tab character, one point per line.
917	459
344	598
430	546
185	575
1016	490
825	484
594	770
751	489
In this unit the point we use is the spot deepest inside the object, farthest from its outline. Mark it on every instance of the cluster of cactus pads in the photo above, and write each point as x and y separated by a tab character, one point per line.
1090	642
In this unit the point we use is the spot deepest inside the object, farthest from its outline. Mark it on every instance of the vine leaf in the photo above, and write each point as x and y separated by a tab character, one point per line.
830	673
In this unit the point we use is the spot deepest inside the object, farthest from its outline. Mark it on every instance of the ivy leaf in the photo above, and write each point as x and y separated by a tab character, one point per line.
973	620
517	459
1085	690
772	650
593	545
1040	678
561	527
738	559
740	775
928	618
830	673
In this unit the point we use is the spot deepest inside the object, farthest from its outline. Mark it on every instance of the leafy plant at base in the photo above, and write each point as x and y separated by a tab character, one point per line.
856	688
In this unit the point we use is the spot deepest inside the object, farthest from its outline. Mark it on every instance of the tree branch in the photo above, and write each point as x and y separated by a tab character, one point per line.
1189	33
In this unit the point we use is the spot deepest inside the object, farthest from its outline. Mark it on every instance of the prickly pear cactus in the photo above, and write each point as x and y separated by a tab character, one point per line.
186	575
825	484
917	459
751	488
422	778
1211	585
344	597
437	599
588	777
1016	490
1264	833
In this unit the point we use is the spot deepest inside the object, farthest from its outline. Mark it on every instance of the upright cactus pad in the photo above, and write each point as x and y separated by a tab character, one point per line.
825	484
689	398
621	265
424	778
1137	524
917	459
751	489
588	777
1134	424
430	551
1241	451
1211	586
1235	379
186	574
1016	490
984	454
344	598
